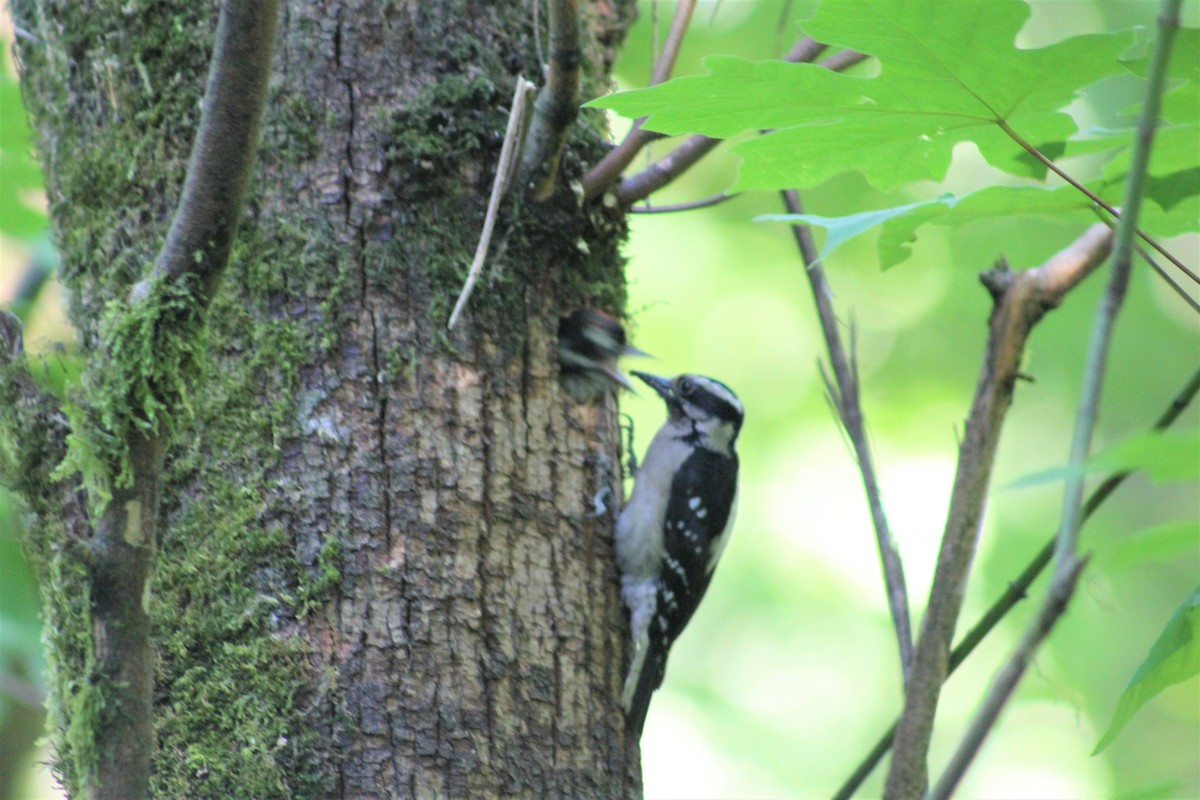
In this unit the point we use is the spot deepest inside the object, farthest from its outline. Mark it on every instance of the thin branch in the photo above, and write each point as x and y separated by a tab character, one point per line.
1006	680
222	159
1154	265
537	33
659	174
664	65
609	169
844	60
1068	564
1057	170
557	103
1018	588
504	173
1175	287
1021	299
194	256
1167	278
704	202
807	50
1114	296
846	401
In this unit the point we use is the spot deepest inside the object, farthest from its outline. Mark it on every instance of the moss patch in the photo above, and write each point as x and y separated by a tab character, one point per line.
153	348
76	699
110	85
230	585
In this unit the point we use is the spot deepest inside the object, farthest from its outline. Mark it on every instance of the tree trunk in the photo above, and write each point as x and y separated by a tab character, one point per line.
380	572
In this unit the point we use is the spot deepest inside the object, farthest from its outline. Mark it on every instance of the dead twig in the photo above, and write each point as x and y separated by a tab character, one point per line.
505	169
1021	300
843	393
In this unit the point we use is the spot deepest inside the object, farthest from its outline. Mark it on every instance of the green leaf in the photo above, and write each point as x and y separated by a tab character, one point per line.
1052	475
1174	150
898	225
1181	100
1173	175
949	74
1172	179
1174	657
842	229
1164	456
1159	543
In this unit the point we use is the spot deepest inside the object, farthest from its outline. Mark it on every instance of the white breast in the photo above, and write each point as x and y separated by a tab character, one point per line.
639	528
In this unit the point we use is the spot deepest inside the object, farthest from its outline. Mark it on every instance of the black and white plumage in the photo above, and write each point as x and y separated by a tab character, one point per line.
589	344
676	524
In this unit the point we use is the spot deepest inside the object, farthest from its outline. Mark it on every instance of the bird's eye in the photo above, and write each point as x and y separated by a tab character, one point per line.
687	388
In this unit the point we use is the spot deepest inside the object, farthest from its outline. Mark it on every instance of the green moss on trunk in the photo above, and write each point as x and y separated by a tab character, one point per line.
277	511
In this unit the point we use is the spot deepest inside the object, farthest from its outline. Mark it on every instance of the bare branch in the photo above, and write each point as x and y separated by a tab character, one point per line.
1060	172
1175	287
1154	265
1018	588
704	202
190	264
1110	304
557	103
666	169
1068	565
846	402
1007	678
1021	301
609	169
222	157
665	63
22	690
843	60
659	174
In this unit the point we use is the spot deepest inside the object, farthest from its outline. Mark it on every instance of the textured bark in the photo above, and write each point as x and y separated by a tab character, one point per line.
381	575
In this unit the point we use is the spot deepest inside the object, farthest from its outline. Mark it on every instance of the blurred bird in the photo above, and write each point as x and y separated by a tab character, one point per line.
589	344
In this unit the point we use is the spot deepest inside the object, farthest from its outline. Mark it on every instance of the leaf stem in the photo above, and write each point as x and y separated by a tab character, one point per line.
1060	172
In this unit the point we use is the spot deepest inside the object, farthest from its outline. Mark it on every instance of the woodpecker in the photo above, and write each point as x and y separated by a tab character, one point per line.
589	344
674	527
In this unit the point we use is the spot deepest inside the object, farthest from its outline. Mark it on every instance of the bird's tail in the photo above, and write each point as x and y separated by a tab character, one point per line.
645	676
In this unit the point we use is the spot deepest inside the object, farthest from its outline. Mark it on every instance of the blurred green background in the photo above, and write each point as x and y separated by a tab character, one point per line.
788	674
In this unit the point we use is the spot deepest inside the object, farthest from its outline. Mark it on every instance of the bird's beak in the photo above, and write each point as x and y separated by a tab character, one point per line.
663	386
617	376
630	350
